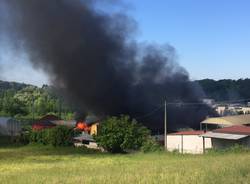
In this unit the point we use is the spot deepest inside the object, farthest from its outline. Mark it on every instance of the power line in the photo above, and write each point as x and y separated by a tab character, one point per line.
150	113
185	104
230	101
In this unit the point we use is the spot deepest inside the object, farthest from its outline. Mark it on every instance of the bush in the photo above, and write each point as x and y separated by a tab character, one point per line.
60	136
57	136
120	134
236	148
24	137
150	145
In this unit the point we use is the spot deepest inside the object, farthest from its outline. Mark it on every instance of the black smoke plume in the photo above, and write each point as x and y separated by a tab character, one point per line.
92	59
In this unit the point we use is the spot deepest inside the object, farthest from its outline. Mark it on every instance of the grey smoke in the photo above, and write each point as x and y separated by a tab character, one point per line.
93	59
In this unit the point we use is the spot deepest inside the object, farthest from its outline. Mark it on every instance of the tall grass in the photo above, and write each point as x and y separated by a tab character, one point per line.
35	164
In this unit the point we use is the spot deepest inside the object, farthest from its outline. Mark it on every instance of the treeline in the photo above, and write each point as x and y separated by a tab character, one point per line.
30	102
224	90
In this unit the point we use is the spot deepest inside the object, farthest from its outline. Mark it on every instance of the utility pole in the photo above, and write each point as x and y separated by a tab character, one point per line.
33	108
165	125
60	109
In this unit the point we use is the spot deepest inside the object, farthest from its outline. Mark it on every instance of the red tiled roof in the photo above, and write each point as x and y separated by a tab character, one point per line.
193	132
237	129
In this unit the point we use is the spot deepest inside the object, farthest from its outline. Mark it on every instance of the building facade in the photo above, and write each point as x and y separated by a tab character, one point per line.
187	142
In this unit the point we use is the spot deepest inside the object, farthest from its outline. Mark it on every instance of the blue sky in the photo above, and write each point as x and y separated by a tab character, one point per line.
211	37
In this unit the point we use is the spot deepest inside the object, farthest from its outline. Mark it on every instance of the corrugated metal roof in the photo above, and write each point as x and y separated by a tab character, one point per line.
224	136
237	129
84	137
193	132
229	120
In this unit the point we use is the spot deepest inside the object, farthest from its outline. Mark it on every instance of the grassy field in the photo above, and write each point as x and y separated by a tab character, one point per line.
34	164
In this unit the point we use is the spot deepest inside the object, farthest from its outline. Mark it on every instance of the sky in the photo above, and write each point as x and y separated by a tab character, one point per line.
211	38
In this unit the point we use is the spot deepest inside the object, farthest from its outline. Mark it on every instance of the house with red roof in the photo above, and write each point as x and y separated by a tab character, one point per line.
45	122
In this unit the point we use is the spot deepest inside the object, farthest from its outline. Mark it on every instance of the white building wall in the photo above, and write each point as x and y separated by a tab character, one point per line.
220	110
174	142
187	143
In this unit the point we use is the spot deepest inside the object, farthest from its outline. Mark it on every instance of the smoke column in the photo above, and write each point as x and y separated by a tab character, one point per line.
93	59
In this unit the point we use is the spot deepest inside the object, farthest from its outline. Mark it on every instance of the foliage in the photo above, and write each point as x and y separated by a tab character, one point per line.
27	101
40	137
56	136
236	148
222	90
120	134
24	137
60	136
150	145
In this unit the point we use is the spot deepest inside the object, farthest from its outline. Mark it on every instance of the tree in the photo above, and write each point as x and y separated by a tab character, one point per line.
120	134
19	100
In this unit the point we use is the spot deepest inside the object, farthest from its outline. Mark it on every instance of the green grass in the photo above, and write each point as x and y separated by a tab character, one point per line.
34	164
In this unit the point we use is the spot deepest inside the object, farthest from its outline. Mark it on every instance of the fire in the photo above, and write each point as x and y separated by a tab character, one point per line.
83	126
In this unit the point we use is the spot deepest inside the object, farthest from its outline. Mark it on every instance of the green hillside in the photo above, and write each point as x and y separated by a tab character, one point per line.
28	101
226	89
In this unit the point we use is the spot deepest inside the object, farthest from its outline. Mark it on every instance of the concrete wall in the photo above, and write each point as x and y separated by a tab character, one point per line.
187	143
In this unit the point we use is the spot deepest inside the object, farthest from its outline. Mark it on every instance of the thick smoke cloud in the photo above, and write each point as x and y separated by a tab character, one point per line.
92	59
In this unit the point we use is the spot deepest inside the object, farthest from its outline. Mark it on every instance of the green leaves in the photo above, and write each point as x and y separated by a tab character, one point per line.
121	134
27	101
57	136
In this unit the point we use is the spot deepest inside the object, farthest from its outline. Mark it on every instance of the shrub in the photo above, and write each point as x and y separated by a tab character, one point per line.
25	137
121	134
76	132
57	136
150	145
236	148
60	136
